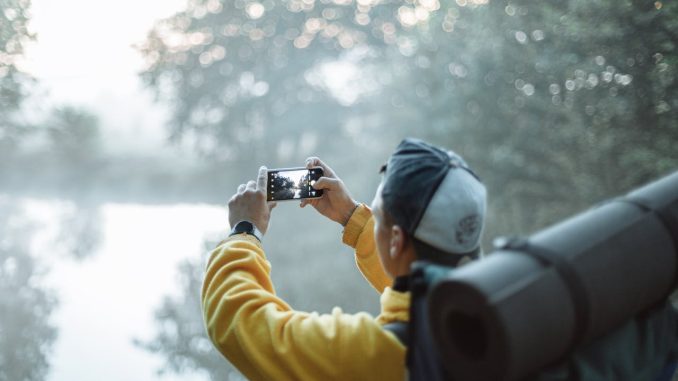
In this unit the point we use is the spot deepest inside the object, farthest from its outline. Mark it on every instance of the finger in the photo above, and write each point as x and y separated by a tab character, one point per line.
262	179
304	202
272	205
326	183
313	161
251	185
241	188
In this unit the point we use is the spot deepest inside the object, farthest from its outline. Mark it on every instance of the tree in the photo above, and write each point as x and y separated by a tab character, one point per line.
543	98
243	77
26	336
553	103
73	134
14	84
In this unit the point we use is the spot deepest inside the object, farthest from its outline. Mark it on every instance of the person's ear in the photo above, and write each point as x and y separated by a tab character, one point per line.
397	244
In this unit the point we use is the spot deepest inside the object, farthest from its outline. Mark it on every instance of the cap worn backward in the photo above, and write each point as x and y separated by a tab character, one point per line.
413	173
433	195
454	218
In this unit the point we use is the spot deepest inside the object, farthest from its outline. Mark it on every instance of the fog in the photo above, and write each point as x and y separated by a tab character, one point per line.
125	127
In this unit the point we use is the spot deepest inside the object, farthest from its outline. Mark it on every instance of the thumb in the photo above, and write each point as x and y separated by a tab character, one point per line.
272	205
327	183
262	179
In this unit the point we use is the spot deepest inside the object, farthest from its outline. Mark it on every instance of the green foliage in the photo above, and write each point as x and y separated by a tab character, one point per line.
560	103
556	104
237	73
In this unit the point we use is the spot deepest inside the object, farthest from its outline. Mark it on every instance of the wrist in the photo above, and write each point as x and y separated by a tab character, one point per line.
350	211
246	227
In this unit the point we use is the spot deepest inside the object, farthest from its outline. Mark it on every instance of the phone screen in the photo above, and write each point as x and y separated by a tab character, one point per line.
293	184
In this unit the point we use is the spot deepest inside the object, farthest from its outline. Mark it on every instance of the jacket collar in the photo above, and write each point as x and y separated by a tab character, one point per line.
395	306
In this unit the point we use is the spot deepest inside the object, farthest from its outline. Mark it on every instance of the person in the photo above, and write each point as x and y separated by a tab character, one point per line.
429	205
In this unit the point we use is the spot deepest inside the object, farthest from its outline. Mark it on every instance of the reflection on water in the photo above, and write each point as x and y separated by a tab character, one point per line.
135	256
111	291
180	337
80	232
26	335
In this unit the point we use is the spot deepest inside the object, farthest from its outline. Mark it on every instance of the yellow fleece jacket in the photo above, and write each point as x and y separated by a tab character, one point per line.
266	340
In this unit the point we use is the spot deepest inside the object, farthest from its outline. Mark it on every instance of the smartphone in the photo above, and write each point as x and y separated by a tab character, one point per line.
293	183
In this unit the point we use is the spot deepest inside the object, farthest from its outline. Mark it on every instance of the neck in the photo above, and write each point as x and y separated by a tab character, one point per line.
403	266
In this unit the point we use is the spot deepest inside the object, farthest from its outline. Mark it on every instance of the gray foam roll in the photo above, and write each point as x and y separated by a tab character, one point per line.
513	312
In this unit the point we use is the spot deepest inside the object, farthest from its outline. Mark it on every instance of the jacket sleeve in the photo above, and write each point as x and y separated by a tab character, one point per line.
359	234
266	340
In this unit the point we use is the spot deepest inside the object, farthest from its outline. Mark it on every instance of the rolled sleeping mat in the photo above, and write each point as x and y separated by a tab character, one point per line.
530	303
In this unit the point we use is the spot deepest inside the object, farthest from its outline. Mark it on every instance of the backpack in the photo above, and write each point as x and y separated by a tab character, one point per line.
644	348
585	299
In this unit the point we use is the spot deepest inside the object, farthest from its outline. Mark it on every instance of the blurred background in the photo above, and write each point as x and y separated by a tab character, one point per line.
126	126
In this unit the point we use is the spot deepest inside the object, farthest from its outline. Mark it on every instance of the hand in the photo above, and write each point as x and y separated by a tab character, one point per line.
249	203
336	202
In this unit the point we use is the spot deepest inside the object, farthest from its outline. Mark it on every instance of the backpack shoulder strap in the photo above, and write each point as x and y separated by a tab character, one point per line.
401	330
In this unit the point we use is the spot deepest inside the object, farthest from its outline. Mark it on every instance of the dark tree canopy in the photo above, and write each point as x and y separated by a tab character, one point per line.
561	103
